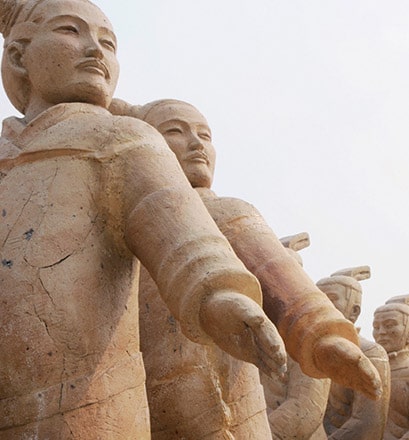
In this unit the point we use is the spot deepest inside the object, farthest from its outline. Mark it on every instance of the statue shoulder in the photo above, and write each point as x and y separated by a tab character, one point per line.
372	350
132	128
84	116
97	128
235	205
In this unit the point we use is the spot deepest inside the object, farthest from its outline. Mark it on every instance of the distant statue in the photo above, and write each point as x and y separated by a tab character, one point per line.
351	415
316	334
82	194
391	330
296	402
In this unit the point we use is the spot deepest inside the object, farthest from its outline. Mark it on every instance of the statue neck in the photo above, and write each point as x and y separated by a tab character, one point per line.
396	358
35	108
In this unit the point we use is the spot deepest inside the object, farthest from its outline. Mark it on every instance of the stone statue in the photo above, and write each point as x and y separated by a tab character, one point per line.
391	330
195	391
296	403
351	415
83	193
311	327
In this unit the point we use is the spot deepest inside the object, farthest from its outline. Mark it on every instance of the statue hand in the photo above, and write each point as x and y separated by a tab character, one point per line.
344	363
119	107
240	327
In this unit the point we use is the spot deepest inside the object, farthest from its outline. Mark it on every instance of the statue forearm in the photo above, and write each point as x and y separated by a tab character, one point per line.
301	312
304	406
169	229
185	254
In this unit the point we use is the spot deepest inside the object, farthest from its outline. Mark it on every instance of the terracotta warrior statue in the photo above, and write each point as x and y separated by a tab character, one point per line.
309	324
83	195
350	414
296	402
391	330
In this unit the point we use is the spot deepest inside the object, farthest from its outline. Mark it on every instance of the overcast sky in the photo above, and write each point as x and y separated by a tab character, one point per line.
308	104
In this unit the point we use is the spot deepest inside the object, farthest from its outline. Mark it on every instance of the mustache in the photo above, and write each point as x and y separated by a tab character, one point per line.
94	62
198	155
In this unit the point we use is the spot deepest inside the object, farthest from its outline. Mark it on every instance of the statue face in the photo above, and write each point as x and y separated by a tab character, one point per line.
71	56
389	330
345	300
188	135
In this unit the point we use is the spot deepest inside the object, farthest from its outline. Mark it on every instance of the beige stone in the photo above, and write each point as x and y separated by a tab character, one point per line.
195	391
296	403
82	194
391	330
351	415
311	326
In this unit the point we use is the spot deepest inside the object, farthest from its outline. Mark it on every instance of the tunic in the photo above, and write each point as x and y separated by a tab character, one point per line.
397	425
81	193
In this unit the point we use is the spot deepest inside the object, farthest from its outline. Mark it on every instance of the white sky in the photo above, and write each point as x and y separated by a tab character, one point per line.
308	103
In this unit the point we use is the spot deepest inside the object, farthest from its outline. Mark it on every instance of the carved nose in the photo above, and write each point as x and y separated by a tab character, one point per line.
196	143
94	52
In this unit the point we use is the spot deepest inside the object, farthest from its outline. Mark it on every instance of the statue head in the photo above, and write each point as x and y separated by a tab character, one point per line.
57	51
294	243
345	293
188	135
391	325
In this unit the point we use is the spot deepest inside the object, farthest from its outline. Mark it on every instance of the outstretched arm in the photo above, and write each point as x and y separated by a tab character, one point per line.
300	415
200	278
315	333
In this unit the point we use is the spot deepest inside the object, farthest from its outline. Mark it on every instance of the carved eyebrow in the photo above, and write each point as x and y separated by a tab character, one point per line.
170	122
173	120
182	121
389	321
78	19
204	127
57	18
110	33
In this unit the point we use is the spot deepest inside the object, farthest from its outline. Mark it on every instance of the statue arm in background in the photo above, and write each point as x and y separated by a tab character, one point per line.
316	334
302	412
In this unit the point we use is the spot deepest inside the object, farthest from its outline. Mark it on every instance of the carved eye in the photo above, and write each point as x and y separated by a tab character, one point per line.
205	136
174	130
332	296
109	44
68	29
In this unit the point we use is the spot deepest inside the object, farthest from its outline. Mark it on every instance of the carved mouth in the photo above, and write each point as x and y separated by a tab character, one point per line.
383	341
199	157
94	66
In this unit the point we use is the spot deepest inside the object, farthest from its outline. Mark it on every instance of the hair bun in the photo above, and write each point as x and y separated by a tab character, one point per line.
359	273
9	10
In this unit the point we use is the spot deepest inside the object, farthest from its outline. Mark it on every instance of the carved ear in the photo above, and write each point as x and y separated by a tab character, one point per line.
14	54
355	312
